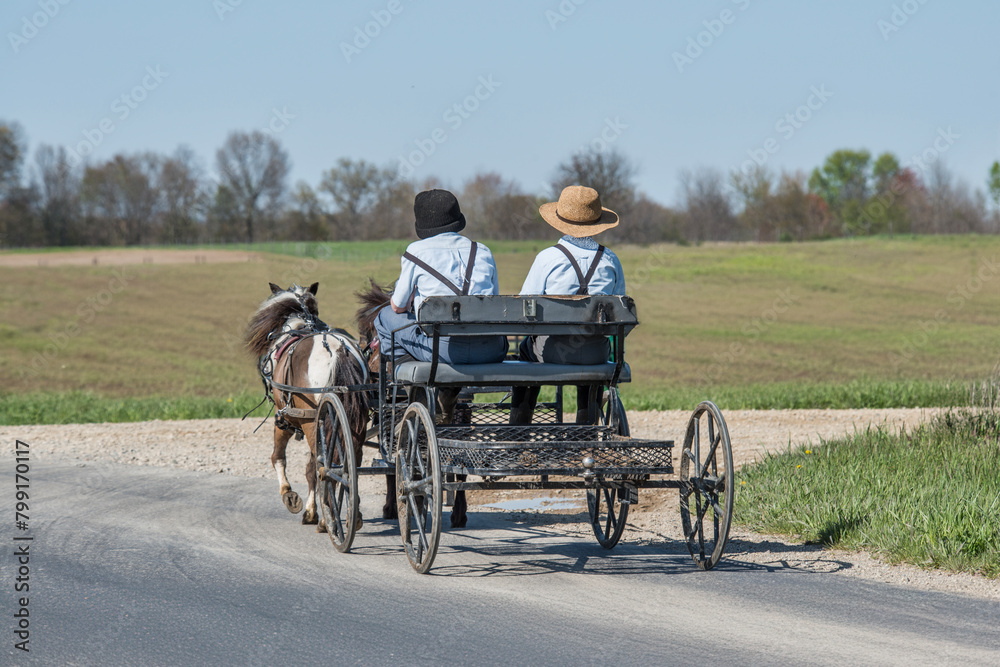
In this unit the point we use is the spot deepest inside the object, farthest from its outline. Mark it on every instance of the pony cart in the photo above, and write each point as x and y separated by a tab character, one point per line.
431	460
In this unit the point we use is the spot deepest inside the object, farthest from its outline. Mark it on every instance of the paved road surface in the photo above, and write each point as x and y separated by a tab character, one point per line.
149	566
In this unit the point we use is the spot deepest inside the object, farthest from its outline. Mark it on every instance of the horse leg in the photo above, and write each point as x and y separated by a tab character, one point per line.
390	510
289	497
447	399
358	456
311	516
458	510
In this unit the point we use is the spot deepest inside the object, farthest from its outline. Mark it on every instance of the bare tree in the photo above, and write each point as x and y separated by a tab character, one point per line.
993	188
354	186
19	225
753	190
369	202
225	222
608	172
499	209
392	216
58	185
12	148
306	221
122	196
709	212
253	167
185	200
648	222
947	206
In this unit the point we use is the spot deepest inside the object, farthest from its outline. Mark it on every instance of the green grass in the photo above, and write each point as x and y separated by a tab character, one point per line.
83	407
802	396
929	497
79	407
832	324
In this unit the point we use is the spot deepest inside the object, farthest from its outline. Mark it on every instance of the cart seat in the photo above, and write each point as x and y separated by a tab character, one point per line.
508	373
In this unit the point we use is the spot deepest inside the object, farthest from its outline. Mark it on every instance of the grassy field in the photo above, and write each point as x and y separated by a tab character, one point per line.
928	497
849	323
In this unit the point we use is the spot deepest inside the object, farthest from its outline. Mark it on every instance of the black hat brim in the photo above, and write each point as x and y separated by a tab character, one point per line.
455	226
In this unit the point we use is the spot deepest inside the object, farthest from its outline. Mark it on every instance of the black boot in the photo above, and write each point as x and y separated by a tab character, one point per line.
522	405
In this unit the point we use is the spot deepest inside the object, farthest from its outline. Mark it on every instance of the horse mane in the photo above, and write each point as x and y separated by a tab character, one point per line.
371	300
270	316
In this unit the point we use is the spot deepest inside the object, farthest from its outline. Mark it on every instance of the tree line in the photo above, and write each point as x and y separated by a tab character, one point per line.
147	198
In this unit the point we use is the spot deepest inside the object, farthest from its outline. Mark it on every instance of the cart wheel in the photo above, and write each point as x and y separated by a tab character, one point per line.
706	476
608	515
418	487
338	478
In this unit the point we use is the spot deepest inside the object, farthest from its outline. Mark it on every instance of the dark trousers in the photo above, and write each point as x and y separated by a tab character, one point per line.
578	350
451	349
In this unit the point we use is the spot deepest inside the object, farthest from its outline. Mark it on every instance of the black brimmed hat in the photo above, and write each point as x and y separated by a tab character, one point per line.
437	212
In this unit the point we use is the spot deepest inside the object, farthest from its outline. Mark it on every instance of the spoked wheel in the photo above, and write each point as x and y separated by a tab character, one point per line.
608	514
706	476
338	473
418	487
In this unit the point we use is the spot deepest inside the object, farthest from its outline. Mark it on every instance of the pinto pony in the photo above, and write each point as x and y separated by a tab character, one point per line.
296	348
372	301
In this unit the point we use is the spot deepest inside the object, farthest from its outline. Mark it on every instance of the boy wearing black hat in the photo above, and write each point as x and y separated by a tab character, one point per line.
441	263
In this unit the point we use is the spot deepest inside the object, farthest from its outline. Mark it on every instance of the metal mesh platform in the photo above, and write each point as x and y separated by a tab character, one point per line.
549	450
499	413
534	433
555	458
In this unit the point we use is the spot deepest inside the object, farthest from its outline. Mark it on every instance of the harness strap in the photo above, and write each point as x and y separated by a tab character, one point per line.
467	281
584	280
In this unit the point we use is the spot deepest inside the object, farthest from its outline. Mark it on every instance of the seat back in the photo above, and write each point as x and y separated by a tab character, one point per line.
508	315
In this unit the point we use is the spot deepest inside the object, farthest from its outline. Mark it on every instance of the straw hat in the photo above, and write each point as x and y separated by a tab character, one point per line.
579	212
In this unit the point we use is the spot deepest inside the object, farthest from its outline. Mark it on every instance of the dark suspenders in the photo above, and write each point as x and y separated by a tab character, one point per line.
584	279
466	283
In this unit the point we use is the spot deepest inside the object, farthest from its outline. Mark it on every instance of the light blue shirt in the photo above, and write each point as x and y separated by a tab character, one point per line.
448	253
552	273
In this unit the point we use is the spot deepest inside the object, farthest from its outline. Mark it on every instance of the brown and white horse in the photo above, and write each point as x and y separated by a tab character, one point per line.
296	348
372	301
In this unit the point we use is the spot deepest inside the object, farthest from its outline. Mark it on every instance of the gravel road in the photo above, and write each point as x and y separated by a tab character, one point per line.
230	447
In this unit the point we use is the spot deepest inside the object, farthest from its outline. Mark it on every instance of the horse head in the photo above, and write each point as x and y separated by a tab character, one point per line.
286	309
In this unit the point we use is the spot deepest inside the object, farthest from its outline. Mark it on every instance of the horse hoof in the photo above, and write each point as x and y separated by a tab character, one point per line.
358	522
390	512
459	521
308	520
292	501
321	527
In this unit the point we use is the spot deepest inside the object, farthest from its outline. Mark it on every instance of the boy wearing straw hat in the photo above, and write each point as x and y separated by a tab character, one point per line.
577	264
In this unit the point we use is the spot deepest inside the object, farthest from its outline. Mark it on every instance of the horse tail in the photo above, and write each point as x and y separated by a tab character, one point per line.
371	300
349	372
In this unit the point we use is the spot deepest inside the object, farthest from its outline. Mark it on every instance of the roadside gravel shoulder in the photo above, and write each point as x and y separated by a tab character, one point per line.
230	446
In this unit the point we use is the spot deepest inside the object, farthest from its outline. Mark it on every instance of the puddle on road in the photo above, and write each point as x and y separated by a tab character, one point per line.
539	504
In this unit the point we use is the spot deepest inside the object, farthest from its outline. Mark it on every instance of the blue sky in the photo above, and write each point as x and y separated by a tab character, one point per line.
552	76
